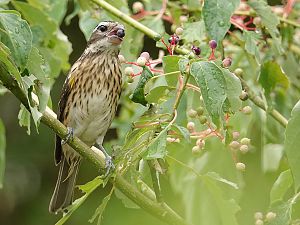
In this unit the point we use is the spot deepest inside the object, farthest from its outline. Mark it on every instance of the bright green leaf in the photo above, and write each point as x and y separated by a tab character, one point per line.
2	153
170	64
212	83
216	15
157	94
157	147
194	31
281	186
138	95
233	90
292	143
17	36
272	154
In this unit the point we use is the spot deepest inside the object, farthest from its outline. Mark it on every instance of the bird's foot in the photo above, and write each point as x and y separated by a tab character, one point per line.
109	165
69	136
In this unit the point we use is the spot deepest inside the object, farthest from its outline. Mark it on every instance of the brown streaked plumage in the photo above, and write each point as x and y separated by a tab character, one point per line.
88	104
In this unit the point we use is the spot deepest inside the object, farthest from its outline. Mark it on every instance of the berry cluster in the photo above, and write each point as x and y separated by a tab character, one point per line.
259	217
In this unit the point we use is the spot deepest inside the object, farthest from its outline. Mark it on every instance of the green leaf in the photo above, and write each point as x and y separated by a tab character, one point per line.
38	67
24	118
157	147
233	90
212	83
88	22
170	64
157	94
283	212
271	75
272	154
182	131
17	36
251	39
216	15
269	20
292	143
194	31
138	95
125	200
87	188
99	211
281	186
2	153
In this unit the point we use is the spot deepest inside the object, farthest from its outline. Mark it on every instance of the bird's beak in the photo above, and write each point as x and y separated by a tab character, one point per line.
116	35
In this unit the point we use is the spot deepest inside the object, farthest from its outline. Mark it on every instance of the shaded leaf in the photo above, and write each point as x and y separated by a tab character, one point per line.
271	75
17	36
211	81
170	64
87	188
292	143
138	95
272	154
2	153
281	186
251	40
216	15
24	118
157	94
233	90
157	147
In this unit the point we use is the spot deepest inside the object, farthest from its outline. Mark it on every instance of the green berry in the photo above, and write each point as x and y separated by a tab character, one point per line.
258	216
259	222
196	150
200	143
270	216
192	113
244	148
130	80
179	31
244	96
240	166
245	141
203	119
239	72
141	61
200	111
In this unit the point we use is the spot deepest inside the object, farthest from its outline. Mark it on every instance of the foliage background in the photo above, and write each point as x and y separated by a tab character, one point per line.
30	173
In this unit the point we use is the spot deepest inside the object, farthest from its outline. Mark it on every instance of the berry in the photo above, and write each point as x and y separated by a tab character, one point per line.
234	145
196	50
173	40
257	21
244	96
137	7
191	126
141	61
240	166
192	113
270	216
258	216
227	62
203	119
179	31
200	111
128	71
121	58
247	110
130	80
213	44
196	150
170	139
235	135
244	148
200	143
245	141
238	71
259	222
146	55
183	19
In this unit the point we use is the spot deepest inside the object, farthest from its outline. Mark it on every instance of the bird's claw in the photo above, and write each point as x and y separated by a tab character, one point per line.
109	165
69	136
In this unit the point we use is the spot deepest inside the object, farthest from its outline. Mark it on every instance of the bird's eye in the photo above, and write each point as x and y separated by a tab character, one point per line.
102	28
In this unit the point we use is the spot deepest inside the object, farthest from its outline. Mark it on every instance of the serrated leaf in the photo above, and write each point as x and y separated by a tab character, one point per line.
157	147
87	188
269	20
216	16
2	153
138	95
17	36
211	81
281	186
271	75
251	40
233	90
170	64
194	31
292	143
100	209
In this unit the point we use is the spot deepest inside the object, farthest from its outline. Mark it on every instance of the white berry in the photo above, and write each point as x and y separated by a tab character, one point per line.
240	166
141	61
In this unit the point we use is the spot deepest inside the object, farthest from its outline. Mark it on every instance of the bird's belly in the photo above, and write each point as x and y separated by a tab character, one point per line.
92	119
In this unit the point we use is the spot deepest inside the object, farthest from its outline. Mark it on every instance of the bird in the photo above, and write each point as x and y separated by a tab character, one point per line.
87	106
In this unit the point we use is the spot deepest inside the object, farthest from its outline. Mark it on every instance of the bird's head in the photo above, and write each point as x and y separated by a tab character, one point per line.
107	35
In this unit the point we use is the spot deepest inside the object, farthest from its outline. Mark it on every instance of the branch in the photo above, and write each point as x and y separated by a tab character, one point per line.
260	103
94	155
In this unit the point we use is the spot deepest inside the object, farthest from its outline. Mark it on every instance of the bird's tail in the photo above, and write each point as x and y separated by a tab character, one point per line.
64	189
